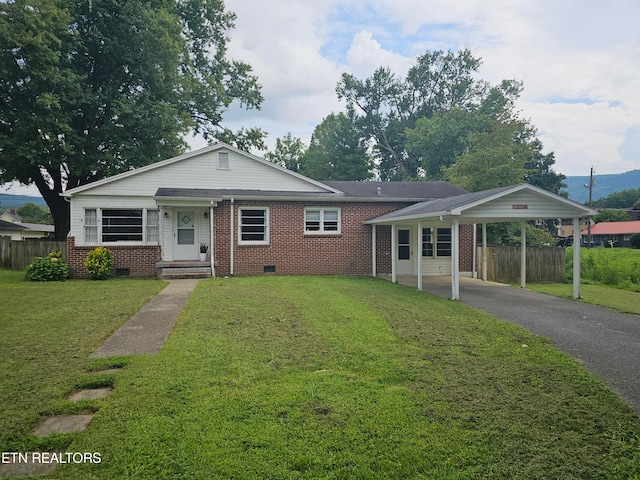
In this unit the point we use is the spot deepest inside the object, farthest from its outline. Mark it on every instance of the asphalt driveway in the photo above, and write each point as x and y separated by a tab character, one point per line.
607	342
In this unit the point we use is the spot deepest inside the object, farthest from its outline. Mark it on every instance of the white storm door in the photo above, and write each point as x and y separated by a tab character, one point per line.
404	254
185	235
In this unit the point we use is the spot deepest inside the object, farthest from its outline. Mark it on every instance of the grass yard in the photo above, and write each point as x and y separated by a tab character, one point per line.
47	332
610	297
337	378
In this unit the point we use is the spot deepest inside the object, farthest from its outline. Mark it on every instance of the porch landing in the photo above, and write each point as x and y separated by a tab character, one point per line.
183	269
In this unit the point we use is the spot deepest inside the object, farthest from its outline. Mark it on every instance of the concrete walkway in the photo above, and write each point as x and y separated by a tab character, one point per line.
149	328
607	342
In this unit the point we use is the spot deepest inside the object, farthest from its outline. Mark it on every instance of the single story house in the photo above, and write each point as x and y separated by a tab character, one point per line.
11	225
612	234
255	217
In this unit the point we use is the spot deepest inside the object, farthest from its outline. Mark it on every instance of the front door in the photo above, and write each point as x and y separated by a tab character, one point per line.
185	246
404	257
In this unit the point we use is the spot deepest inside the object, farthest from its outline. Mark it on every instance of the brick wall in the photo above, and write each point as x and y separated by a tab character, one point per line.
140	260
292	252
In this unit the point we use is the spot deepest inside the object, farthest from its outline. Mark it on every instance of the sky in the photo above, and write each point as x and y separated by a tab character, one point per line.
579	61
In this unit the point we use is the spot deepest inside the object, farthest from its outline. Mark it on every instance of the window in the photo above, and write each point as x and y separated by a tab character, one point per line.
442	242
427	243
254	225
122	225
223	161
322	221
91	225
153	221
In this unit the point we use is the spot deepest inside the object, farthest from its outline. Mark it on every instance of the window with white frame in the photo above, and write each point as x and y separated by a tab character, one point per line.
223	161
322	221
436	242
111	225
90	225
253	225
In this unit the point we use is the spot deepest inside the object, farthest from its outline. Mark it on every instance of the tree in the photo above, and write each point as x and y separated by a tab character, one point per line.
622	199
611	215
33	213
91	89
635	240
337	152
288	153
386	107
495	158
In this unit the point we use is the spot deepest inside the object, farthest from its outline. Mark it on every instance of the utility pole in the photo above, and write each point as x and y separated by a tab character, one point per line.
591	183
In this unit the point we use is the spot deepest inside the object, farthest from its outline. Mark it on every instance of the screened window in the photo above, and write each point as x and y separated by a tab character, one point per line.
122	225
427	243
223	161
444	242
322	220
440	246
254	225
91	225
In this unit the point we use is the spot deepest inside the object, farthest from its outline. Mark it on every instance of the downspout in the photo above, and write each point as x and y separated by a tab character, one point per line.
211	241
231	252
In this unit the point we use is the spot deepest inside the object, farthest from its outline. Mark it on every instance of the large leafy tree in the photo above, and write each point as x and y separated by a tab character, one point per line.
288	153
92	88
337	152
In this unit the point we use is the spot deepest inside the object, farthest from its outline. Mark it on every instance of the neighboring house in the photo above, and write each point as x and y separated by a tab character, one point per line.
12	225
612	234
254	216
258	218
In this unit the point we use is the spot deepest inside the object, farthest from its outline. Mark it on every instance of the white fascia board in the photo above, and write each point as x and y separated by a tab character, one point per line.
407	218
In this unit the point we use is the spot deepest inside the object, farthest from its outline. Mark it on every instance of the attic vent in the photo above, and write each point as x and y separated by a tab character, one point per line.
223	161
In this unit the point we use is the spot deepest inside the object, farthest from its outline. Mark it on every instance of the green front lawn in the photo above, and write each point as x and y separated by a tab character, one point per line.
333	377
610	297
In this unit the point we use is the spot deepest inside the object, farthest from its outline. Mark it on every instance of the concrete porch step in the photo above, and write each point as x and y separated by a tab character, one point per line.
172	273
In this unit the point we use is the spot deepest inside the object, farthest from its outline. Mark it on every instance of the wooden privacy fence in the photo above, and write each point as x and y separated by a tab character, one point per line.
544	264
17	254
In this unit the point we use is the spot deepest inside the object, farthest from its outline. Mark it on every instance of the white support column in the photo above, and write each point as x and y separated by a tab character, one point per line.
484	252
474	267
455	260
419	250
374	251
232	231
523	254
576	258
394	247
211	241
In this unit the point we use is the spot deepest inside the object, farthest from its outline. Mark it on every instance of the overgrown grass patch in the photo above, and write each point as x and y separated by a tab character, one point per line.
333	377
47	332
614	298
617	267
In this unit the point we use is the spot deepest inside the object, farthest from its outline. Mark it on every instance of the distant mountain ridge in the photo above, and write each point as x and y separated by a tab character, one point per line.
8	201
578	187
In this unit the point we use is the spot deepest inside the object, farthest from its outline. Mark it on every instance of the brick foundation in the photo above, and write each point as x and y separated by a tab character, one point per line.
128	260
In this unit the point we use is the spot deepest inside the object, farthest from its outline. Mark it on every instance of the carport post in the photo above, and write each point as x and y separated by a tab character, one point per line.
419	250
394	246
523	254
576	258
374	249
455	260
484	252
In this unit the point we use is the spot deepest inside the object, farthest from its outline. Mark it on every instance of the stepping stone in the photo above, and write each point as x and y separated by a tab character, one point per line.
91	394
67	424
17	467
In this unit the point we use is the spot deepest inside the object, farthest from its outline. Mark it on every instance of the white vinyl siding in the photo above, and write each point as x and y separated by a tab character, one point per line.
322	221
253	225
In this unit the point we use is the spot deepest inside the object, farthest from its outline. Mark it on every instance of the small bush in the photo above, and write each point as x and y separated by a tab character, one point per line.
49	269
635	240
99	263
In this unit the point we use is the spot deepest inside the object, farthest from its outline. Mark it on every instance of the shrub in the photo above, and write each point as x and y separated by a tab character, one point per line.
49	269
99	263
635	240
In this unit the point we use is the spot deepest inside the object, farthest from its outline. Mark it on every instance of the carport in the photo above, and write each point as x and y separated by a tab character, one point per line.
517	203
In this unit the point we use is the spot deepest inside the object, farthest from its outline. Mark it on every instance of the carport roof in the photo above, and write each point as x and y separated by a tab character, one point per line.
504	204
